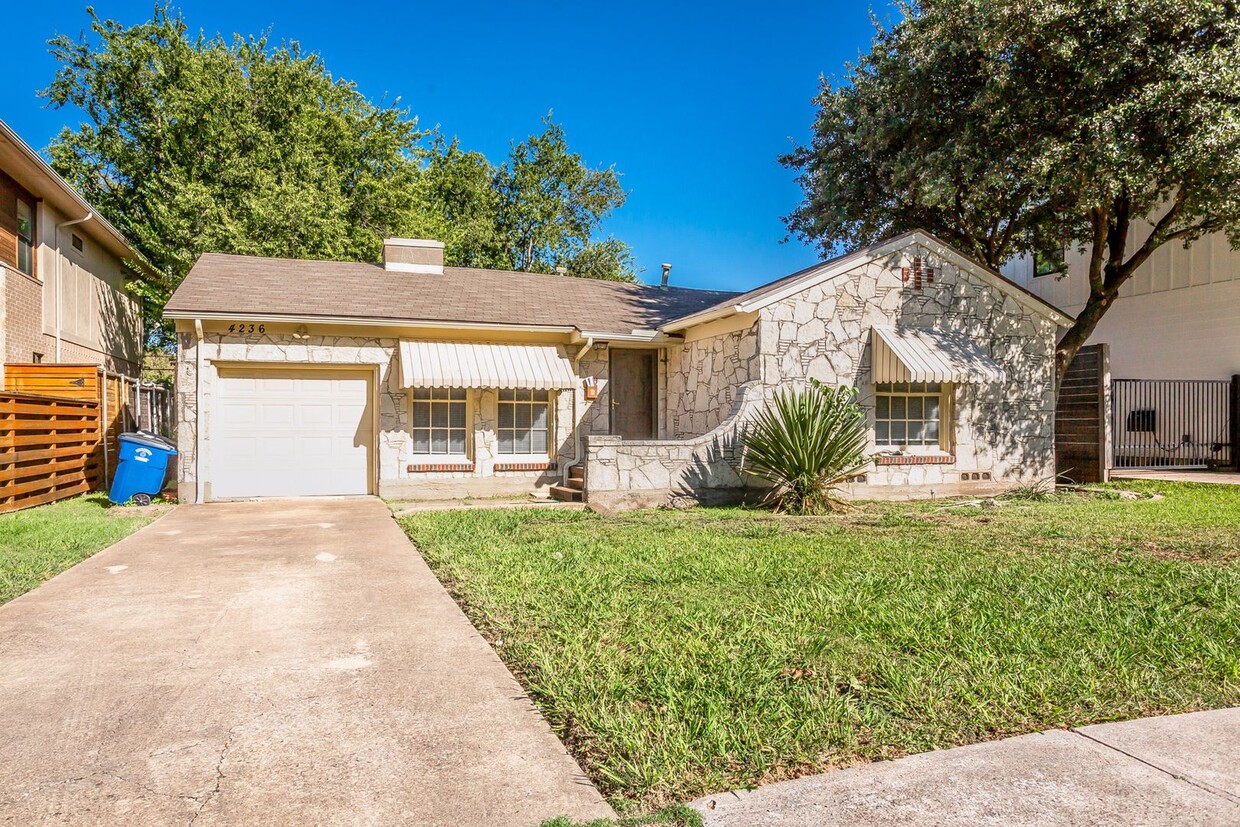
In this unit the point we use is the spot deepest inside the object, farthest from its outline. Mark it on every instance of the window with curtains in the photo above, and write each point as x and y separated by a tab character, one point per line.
440	417
524	422
908	413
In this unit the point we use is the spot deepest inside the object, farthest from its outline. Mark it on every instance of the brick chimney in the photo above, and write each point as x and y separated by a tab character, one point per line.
413	255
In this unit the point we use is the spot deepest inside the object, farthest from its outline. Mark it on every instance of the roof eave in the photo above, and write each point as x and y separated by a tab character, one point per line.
635	335
362	321
130	253
701	317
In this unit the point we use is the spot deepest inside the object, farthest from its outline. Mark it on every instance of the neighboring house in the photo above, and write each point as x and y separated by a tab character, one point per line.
410	379
1173	345
63	268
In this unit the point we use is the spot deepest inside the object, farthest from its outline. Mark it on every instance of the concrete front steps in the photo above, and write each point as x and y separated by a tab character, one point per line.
573	491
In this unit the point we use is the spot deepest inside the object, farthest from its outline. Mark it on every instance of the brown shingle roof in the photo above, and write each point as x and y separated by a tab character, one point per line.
251	286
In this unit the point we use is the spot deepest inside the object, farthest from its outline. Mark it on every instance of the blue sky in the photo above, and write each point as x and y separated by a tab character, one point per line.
693	103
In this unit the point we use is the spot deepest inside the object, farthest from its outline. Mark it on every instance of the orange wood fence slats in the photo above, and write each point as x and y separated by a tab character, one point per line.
59	430
68	381
49	449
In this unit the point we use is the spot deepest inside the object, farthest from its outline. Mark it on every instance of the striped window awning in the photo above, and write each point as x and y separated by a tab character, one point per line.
913	354
465	365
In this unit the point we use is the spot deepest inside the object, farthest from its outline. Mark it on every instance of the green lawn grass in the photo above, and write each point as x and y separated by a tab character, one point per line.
681	653
41	542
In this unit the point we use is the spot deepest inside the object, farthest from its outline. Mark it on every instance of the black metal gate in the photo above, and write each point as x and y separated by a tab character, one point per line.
1171	423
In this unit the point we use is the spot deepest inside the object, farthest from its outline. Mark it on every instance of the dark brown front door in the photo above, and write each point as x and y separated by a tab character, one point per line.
632	393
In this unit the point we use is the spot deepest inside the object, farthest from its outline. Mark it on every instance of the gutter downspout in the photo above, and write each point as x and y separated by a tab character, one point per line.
59	257
576	420
199	483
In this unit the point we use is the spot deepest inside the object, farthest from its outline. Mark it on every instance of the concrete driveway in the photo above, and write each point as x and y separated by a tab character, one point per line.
282	662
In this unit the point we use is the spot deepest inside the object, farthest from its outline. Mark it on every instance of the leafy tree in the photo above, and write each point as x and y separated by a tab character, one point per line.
551	204
462	194
539	211
194	144
199	144
1014	127
610	260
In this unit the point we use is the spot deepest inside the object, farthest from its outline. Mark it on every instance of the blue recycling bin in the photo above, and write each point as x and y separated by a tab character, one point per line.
142	469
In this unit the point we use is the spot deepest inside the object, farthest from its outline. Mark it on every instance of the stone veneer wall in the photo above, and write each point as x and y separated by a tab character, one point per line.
393	441
1003	430
23	318
704	469
595	414
702	379
1003	433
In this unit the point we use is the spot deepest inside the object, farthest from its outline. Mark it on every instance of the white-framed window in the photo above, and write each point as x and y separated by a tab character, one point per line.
1049	258
524	422
25	237
440	422
909	414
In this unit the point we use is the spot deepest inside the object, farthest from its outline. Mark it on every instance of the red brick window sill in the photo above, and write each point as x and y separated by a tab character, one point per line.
416	467
525	466
914	459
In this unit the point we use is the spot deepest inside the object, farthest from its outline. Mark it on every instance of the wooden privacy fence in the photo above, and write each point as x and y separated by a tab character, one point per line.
49	449
60	428
125	404
1081	417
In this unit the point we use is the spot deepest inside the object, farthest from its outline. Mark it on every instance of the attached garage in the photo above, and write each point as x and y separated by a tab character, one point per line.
292	432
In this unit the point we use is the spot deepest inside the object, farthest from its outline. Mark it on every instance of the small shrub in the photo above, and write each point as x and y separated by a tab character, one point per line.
807	443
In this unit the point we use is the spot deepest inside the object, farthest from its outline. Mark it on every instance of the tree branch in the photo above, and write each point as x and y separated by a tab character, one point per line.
1157	237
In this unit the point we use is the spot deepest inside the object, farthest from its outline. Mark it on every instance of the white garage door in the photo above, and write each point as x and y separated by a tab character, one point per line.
291	433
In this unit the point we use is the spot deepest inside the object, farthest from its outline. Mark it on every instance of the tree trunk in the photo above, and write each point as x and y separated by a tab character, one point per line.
1078	334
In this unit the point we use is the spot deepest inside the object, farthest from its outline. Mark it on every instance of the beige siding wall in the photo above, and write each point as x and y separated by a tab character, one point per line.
1174	319
99	320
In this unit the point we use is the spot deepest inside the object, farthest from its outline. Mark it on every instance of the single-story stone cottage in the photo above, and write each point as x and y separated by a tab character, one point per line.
410	379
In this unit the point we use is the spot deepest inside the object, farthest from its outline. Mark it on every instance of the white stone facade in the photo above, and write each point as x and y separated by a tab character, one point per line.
702	379
1001	434
401	474
707	385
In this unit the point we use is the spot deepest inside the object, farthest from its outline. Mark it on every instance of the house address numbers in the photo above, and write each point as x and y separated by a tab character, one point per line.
247	328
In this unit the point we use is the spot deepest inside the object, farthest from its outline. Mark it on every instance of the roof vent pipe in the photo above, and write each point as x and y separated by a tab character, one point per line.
667	271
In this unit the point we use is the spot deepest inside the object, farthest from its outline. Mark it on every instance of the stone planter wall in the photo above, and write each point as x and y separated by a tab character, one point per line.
623	474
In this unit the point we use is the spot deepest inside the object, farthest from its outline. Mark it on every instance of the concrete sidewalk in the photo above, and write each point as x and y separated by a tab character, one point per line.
1178	770
280	662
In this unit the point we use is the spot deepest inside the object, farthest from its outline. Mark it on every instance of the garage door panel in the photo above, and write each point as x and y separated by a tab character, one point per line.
321	414
291	435
238	414
277	415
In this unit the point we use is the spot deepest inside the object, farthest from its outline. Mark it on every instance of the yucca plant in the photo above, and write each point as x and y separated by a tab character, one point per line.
807	443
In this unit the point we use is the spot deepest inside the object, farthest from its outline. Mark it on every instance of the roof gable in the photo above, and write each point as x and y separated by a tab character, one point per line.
790	285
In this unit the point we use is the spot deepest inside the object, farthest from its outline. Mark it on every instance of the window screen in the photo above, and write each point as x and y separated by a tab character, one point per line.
524	422
439	424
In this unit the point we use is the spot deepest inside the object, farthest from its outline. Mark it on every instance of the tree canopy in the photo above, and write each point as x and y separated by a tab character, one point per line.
193	144
1013	127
